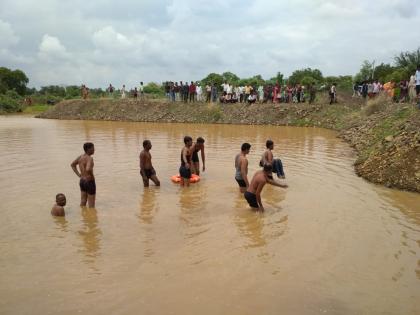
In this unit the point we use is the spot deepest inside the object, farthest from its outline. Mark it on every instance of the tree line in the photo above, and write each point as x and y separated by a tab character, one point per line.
14	90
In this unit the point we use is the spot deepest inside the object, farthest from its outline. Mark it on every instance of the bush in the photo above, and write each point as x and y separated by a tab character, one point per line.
153	88
10	102
376	104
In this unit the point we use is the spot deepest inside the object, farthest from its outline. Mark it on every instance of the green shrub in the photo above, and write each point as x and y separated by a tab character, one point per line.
10	102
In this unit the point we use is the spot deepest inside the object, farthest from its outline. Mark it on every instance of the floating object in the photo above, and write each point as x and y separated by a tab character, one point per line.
193	179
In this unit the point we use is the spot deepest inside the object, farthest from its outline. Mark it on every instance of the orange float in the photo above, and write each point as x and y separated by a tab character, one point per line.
193	179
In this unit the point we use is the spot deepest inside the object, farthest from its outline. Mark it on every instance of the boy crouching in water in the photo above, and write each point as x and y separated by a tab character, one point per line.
58	209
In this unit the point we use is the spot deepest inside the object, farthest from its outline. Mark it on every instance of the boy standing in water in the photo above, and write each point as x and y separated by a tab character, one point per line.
241	167
198	146
185	168
58	209
87	179
146	168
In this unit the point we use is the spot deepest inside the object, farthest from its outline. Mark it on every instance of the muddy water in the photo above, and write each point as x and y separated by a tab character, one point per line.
331	243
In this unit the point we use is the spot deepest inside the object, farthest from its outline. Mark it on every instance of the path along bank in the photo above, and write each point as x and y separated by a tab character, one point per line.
385	135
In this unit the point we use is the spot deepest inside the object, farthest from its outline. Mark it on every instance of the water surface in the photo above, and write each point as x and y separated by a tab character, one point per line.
331	243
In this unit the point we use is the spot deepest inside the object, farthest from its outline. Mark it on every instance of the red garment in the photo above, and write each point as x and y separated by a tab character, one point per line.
192	88
276	91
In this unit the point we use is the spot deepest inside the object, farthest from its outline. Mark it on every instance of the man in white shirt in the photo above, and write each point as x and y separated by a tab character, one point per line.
418	80
199	92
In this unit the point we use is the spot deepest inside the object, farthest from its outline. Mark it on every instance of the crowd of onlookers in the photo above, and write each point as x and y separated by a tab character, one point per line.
402	92
228	93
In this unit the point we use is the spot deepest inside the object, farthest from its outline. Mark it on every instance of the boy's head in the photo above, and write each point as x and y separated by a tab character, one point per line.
147	144
269	144
89	148
268	169
200	142
187	140
245	147
60	199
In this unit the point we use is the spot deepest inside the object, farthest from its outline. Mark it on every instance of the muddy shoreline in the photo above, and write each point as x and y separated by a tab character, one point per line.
385	136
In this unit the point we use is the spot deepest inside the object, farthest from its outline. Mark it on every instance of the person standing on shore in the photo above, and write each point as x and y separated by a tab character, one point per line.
141	90
241	167
87	179
123	91
418	80
146	168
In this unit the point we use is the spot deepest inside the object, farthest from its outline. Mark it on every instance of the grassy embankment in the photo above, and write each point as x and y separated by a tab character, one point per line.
385	135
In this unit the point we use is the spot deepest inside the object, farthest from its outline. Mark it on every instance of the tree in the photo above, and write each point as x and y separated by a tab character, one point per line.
408	61
230	77
298	75
279	78
397	75
154	88
53	90
382	71
13	80
213	78
344	82
365	73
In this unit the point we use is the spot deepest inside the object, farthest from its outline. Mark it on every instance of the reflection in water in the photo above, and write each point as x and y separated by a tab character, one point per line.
91	234
148	210
148	206
61	223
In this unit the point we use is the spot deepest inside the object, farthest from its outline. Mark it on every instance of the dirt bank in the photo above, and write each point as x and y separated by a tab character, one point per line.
386	136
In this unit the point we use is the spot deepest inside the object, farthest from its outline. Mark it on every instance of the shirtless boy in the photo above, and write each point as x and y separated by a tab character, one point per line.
267	158
87	179
146	168
198	146
58	209
253	193
185	168
241	167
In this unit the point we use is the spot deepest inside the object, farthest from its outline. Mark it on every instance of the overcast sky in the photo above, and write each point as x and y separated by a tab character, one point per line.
98	42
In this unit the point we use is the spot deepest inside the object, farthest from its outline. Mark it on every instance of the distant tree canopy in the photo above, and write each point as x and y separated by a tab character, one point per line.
298	75
408	61
405	64
13	80
213	78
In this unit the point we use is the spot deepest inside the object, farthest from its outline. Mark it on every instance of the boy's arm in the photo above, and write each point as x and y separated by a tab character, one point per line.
184	157
276	183
203	158
258	194
244	175
270	157
142	160
74	166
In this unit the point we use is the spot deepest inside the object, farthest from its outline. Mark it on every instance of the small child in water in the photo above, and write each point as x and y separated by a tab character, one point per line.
58	208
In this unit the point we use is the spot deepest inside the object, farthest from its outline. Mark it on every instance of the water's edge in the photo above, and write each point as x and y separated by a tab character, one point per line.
387	142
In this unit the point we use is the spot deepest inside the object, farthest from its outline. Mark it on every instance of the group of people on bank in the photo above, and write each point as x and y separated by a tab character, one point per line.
83	166
402	92
228	93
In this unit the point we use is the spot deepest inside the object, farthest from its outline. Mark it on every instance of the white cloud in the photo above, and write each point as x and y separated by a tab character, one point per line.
7	35
99	42
51	48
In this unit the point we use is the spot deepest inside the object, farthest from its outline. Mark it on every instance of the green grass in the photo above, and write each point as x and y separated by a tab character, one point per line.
37	108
